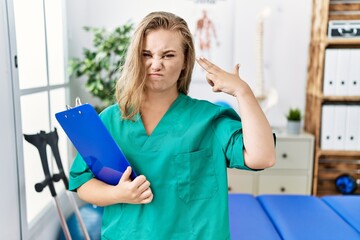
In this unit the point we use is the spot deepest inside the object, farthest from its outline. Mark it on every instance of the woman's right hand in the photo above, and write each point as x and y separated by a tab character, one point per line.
130	191
135	191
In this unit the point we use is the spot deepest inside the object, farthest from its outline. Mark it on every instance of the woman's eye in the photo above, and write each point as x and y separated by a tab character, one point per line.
146	55
169	56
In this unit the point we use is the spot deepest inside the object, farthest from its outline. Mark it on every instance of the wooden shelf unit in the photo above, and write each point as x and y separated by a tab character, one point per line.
328	164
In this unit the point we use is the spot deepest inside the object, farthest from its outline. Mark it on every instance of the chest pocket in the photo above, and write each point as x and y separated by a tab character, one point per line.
195	173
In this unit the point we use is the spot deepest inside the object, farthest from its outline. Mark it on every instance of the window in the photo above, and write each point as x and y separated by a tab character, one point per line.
43	83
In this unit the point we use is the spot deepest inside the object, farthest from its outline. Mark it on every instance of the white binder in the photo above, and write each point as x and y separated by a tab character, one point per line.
342	72
354	73
358	130
330	71
352	125
339	127
327	127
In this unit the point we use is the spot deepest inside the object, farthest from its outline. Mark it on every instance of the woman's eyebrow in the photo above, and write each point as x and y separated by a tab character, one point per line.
164	52
169	51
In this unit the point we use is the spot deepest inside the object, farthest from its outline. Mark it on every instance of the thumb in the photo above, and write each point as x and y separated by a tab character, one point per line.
126	175
236	69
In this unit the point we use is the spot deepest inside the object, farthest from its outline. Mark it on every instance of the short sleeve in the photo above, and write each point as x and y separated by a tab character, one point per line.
228	130
80	173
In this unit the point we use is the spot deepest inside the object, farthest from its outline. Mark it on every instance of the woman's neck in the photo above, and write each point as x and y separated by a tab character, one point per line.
159	100
154	107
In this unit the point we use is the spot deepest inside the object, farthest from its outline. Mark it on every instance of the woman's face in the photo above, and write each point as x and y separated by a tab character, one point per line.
163	57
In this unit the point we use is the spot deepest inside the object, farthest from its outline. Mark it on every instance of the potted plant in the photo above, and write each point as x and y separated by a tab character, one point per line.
294	121
101	65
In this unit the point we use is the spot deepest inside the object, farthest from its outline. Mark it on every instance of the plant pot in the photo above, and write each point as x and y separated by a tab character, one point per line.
293	127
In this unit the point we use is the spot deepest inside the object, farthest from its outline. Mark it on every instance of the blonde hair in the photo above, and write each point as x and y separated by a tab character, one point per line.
130	87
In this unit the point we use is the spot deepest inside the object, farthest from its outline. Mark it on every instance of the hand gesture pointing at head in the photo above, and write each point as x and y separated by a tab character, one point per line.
256	129
222	81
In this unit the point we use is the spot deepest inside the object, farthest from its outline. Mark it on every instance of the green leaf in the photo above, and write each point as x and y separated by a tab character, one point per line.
100	65
294	114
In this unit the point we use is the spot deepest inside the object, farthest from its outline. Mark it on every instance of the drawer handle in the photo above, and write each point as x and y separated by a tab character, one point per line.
284	155
229	189
282	189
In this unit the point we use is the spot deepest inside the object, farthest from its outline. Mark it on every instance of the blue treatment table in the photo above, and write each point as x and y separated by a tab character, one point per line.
348	207
294	217
248	221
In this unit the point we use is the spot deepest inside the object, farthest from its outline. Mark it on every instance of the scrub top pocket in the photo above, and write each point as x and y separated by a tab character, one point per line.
195	174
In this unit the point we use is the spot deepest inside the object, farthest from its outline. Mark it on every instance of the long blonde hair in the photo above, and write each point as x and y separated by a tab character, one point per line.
130	86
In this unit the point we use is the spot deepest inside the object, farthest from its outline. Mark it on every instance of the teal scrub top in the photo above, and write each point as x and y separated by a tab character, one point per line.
185	160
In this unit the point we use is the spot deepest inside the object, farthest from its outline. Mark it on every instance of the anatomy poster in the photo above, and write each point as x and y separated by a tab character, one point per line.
212	30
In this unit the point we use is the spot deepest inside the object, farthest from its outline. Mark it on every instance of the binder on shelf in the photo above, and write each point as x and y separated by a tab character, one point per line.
344	29
352	126
342	72
358	130
327	127
330	67
339	127
354	73
94	143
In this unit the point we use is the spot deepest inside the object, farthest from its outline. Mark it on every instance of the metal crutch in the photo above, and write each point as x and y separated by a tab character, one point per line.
39	142
52	138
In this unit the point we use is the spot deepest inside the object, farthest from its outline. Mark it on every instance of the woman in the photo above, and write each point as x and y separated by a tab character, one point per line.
182	146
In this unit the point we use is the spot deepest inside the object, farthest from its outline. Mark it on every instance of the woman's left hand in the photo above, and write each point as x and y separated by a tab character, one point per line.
222	81
257	133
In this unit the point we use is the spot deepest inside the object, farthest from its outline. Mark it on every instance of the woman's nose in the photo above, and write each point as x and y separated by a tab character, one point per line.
156	63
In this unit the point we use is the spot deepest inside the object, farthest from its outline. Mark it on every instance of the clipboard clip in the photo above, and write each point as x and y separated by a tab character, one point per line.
77	103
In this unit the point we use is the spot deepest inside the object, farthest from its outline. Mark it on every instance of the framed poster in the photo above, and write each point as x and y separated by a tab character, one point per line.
212	25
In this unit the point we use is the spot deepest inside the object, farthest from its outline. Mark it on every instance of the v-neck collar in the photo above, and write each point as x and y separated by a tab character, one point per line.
163	118
166	124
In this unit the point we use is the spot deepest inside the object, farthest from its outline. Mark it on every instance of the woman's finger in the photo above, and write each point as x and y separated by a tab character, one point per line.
138	181
146	197
207	65
236	69
143	187
126	175
146	194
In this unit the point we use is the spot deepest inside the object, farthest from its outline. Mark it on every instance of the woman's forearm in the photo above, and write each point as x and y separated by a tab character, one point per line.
258	139
97	192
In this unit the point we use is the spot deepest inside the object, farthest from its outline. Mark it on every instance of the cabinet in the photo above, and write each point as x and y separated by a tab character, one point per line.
292	173
329	163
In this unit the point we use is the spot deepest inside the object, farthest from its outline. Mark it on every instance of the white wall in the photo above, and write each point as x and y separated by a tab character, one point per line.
9	200
13	220
286	39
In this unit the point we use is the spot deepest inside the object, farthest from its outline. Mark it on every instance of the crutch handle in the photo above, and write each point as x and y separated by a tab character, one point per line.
40	186
47	182
52	138
56	177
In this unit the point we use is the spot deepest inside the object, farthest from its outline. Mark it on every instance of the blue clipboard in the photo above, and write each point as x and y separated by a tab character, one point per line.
94	143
